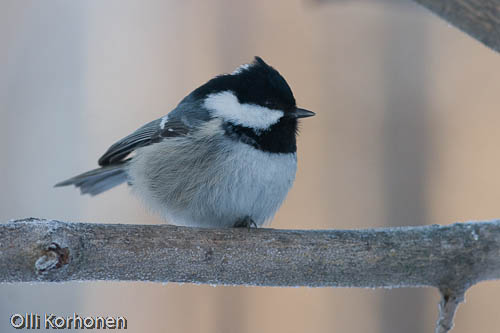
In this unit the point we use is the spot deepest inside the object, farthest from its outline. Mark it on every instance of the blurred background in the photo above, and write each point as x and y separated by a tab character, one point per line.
406	133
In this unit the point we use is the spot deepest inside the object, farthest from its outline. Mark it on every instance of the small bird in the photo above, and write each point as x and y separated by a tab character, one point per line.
224	157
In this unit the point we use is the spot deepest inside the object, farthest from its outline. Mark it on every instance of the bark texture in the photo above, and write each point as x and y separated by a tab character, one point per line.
451	258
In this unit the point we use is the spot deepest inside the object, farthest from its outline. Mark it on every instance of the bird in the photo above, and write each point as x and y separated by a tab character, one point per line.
224	157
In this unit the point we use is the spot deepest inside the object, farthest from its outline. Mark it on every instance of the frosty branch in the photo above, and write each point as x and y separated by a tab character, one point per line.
451	258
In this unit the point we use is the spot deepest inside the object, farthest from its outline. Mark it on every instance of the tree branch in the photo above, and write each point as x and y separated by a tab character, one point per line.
451	258
478	18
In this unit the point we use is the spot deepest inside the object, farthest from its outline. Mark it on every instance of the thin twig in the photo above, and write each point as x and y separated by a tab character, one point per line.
447	309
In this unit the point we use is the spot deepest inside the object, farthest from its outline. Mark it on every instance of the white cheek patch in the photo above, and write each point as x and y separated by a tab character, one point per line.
226	106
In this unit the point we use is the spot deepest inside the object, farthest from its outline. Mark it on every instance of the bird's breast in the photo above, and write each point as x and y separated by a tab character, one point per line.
253	182
212	182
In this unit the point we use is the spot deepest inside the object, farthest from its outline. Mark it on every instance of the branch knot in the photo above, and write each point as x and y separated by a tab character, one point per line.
54	257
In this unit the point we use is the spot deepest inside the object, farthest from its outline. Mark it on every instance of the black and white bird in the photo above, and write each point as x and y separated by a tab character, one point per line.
224	157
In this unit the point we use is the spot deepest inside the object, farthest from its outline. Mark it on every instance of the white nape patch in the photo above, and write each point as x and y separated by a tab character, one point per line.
163	122
241	68
225	105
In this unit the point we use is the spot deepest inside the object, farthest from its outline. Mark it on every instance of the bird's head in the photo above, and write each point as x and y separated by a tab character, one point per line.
257	102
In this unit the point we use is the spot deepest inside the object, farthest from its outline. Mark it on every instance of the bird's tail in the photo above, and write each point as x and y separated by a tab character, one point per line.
96	181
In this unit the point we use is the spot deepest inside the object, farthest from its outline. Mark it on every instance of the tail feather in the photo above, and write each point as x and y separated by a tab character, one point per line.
96	181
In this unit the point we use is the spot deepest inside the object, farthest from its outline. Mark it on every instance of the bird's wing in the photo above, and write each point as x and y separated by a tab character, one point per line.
178	122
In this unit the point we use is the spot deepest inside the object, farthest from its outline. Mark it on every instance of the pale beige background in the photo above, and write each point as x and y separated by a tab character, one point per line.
406	133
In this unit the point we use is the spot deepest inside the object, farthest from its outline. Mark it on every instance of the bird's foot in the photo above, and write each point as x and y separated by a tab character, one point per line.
245	222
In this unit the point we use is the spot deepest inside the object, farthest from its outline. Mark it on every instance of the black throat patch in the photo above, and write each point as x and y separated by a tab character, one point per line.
279	138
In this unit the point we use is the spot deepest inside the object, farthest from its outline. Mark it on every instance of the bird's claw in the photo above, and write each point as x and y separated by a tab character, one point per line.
245	222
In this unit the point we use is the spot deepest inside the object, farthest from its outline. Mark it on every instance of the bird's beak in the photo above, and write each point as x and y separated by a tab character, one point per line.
301	113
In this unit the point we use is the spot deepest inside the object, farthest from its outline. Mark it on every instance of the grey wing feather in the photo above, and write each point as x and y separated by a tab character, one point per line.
180	121
140	138
190	112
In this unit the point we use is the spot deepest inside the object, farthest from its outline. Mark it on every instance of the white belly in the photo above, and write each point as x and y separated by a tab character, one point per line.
200	190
